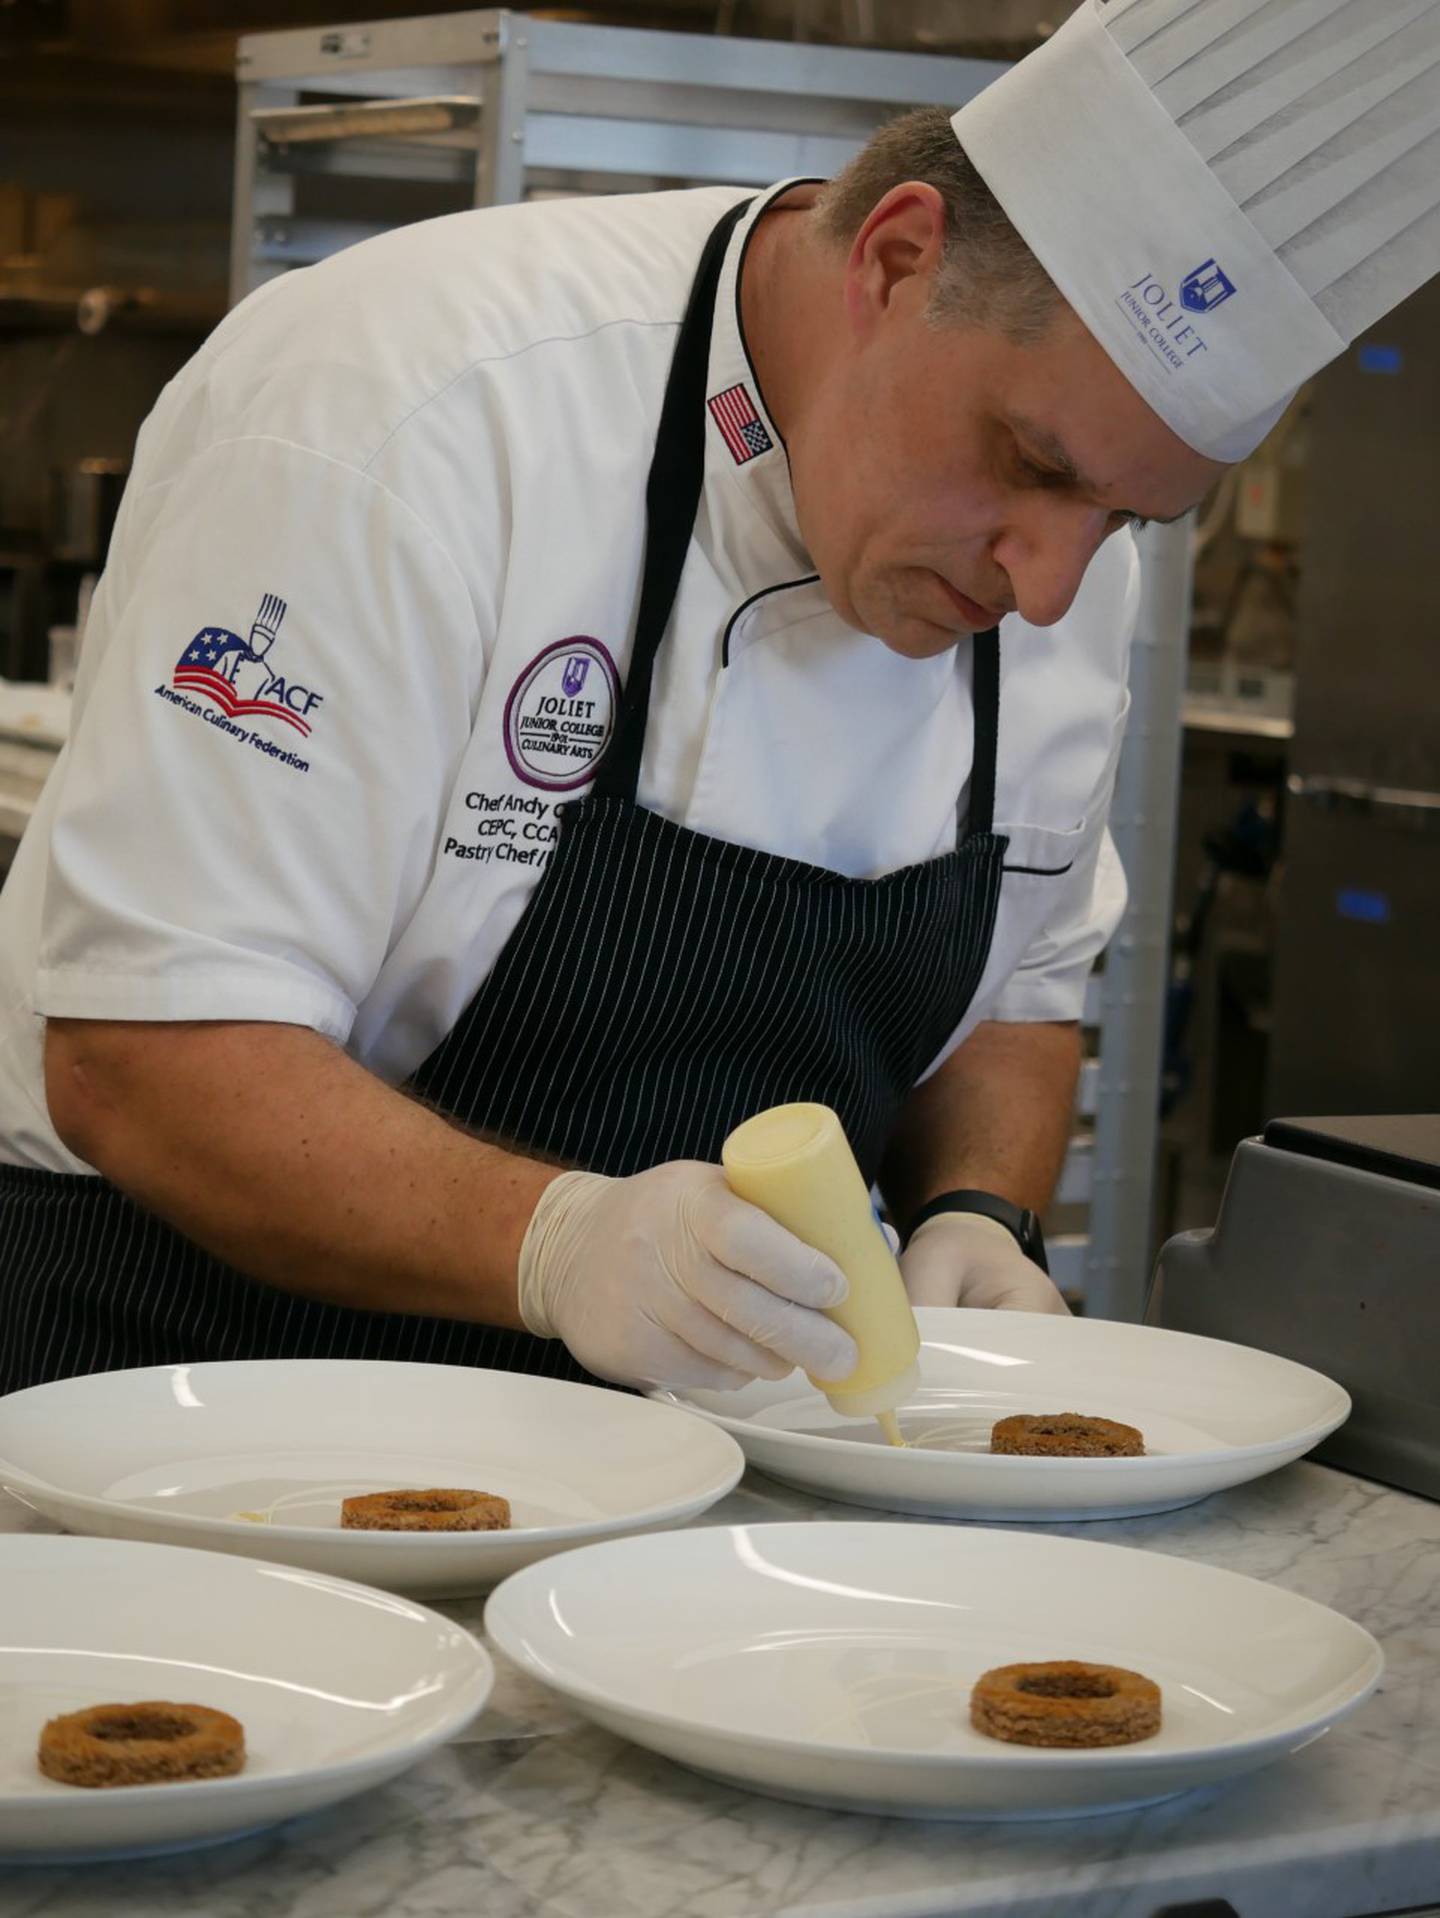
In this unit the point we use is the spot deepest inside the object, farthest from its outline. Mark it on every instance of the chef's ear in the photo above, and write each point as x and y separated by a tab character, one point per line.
895	255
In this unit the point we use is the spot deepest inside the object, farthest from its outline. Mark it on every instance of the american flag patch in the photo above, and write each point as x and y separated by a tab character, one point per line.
741	425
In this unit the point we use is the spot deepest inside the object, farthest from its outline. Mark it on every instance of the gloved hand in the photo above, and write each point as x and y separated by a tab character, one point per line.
668	1278
962	1258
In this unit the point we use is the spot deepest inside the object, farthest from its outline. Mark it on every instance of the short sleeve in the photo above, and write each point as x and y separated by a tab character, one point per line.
1049	983
274	704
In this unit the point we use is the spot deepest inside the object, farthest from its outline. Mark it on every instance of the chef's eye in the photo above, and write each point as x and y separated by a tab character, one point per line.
1034	475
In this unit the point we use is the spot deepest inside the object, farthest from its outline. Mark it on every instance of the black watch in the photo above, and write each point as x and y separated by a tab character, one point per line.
1022	1224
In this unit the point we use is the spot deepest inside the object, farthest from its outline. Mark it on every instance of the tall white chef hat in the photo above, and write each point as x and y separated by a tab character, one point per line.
1226	191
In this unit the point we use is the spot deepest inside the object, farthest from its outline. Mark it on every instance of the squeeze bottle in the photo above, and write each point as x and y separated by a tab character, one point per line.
795	1163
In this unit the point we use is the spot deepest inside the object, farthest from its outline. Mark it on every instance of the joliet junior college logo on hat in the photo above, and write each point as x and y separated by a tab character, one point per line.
1206	288
1159	318
560	713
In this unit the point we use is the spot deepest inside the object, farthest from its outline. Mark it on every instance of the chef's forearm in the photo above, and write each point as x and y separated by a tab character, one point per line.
274	1150
996	1117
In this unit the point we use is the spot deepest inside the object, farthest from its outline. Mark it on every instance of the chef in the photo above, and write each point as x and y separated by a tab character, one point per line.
700	686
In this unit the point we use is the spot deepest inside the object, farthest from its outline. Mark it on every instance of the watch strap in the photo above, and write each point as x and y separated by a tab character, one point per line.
1021	1223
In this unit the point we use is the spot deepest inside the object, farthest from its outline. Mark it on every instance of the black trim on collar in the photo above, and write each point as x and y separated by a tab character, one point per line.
784	586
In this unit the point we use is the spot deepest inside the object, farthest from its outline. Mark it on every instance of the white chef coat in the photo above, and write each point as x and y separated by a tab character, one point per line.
398	497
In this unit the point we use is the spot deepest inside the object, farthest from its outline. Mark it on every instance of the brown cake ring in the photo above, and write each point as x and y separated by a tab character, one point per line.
1065	1703
453	1510
153	1743
1065	1435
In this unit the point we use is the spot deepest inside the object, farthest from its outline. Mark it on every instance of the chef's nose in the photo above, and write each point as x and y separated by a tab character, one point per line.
1045	549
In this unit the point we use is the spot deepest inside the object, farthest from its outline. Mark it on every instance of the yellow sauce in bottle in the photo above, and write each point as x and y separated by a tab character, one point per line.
795	1163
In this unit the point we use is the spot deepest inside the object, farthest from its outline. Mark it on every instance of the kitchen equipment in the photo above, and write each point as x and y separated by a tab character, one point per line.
84	499
1327	1251
1358	914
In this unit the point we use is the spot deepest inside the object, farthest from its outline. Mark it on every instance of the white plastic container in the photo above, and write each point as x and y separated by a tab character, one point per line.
795	1163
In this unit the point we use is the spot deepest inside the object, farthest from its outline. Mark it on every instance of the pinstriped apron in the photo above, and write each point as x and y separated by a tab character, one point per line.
660	987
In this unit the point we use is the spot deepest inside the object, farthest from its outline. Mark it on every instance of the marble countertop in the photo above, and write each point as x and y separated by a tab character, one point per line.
534	1814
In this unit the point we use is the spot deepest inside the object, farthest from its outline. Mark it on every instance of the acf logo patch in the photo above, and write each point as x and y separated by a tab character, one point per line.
225	679
235	674
560	714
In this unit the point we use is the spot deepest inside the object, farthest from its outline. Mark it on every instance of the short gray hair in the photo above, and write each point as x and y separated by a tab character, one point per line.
988	275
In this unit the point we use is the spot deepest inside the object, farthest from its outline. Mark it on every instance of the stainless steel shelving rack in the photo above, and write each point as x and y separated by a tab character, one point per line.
504	106
498	106
1120	1089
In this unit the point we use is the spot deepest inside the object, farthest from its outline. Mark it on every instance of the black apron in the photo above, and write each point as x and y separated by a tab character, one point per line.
660	987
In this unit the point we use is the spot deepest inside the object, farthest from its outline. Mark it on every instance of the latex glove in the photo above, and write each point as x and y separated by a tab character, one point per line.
668	1278
962	1258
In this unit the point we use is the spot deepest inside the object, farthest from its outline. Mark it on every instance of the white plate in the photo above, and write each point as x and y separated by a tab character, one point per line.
1212	1415
833	1663
173	1452
338	1688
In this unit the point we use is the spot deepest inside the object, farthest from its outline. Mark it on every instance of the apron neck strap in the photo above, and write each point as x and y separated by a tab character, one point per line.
672	499
985	699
